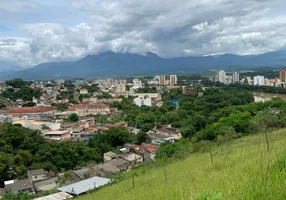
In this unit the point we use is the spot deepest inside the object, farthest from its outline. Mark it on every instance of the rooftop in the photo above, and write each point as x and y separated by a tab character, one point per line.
111	154
38	171
46	184
153	148
55	133
39	109
114	165
85	185
20	185
56	196
130	156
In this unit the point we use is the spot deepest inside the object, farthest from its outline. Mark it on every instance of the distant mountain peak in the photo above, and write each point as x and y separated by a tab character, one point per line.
151	54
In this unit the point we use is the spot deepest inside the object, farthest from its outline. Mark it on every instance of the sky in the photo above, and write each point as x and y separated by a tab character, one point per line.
38	31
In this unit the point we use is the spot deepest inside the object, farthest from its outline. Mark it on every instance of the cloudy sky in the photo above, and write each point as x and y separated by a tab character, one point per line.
36	31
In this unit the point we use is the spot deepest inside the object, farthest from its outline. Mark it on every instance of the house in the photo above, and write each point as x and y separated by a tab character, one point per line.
114	166
57	135
38	175
158	138
76	132
25	186
83	91
109	156
84	186
150	152
87	172
56	196
46	185
132	158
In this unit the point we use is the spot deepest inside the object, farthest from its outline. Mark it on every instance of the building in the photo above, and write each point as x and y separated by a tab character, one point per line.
38	175
220	76
109	156
25	186
150	152
113	166
132	158
158	138
235	77
258	80
162	80
173	80
143	101
83	91
137	84
84	186
228	80
90	109
46	185
33	110
156	96
56	196
190	90
282	75
246	80
57	135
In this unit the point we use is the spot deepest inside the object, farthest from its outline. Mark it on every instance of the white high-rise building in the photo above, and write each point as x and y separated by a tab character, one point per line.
258	80
137	83
235	77
220	76
173	79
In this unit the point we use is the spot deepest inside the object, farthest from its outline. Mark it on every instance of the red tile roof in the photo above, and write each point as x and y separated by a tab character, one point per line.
152	148
40	109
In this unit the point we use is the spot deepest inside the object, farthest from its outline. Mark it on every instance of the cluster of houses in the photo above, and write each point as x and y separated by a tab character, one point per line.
53	126
84	179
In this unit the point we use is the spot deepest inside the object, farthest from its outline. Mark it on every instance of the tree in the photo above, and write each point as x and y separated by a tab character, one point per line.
73	117
141	137
2	105
15	83
29	104
105	95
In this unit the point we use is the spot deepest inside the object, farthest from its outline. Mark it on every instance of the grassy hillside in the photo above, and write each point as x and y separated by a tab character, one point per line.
244	170
2	99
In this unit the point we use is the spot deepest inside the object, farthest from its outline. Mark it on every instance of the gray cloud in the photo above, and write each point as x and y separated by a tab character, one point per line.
168	28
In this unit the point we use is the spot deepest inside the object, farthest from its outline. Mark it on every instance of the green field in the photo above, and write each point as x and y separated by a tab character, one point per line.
243	170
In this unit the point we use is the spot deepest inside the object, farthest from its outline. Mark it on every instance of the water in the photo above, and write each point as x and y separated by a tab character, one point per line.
263	97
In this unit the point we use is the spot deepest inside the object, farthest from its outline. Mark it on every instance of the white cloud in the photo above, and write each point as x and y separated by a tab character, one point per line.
165	27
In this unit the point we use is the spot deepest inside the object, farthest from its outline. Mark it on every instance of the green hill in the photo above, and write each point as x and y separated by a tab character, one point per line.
243	170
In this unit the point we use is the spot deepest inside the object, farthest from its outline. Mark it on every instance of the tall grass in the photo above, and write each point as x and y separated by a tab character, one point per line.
244	170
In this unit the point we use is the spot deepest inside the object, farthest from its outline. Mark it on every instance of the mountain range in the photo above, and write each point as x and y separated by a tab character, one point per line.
111	64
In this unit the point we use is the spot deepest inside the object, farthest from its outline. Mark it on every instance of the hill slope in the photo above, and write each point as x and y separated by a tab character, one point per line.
110	64
239	172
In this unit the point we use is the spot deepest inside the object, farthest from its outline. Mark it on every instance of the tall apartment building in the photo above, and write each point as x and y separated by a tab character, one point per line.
162	80
173	79
235	77
258	80
137	83
220	76
282	75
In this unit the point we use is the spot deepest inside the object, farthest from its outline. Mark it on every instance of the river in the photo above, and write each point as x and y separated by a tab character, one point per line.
262	97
